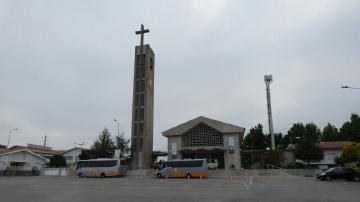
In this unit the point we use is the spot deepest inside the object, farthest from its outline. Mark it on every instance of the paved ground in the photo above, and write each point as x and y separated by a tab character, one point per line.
279	188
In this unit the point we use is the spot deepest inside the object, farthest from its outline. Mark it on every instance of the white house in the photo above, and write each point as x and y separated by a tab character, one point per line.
21	160
71	156
331	150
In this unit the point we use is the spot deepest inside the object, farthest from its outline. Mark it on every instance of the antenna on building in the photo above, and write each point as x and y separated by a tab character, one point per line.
268	79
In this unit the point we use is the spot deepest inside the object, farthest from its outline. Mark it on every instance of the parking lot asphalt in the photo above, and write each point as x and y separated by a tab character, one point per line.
269	188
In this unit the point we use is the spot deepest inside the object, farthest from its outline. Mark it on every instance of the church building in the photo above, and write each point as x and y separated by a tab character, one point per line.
206	138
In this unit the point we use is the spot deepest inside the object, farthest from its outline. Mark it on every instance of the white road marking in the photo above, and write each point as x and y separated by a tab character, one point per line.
247	187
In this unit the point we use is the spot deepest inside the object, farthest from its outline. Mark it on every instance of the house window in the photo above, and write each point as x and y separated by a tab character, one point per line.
68	158
173	150
231	144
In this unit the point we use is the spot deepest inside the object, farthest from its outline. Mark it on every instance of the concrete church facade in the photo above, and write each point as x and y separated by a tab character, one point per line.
206	138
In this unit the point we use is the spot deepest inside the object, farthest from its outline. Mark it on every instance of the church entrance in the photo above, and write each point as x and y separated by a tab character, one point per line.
209	155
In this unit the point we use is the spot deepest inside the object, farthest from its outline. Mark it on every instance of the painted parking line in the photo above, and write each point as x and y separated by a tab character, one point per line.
247	186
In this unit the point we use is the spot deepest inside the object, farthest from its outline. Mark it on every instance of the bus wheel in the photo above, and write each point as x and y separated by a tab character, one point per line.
102	175
188	176
80	175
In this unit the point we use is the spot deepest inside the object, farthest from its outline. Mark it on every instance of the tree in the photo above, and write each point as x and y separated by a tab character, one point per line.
330	133
274	157
339	160
86	154
104	146
57	161
255	139
297	130
351	130
2	146
312	133
279	143
123	145
306	138
307	152
308	133
351	153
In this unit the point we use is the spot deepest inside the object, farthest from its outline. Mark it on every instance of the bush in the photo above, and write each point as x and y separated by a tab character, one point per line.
57	161
340	161
273	157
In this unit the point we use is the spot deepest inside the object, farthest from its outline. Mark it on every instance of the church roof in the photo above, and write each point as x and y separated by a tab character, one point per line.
217	125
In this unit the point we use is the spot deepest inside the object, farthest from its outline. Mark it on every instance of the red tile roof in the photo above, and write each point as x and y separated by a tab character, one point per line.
4	151
37	150
334	145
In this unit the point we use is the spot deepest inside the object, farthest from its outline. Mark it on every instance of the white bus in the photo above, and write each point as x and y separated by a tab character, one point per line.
183	168
102	167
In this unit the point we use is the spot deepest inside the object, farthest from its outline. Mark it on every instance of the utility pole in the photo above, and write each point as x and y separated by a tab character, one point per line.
268	79
45	139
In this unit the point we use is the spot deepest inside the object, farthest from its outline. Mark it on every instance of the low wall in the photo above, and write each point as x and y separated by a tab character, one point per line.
19	173
55	172
302	172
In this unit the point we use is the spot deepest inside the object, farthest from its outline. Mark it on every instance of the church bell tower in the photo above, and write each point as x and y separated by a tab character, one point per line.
143	105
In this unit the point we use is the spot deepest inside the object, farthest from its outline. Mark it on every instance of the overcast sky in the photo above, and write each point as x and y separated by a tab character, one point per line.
66	67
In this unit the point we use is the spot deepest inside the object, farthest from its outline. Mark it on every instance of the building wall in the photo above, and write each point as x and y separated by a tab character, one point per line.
32	160
232	159
72	157
174	140
289	157
142	148
329	156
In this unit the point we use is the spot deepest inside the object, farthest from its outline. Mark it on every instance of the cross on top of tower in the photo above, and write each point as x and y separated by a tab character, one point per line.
142	31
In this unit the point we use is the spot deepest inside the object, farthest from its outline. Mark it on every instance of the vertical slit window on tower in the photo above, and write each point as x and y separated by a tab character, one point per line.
134	142
151	63
140	144
137	73
142	72
140	60
137	86
142	100
141	114
135	129
137	114
142	85
137	100
141	129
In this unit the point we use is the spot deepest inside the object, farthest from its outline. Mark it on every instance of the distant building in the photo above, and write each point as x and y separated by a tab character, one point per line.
331	150
72	156
45	152
21	160
206	138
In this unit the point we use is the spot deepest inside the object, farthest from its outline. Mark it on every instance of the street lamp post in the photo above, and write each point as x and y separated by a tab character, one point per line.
10	131
80	144
349	87
118	126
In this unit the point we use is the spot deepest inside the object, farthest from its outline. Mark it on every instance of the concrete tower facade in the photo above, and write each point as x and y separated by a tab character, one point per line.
143	107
